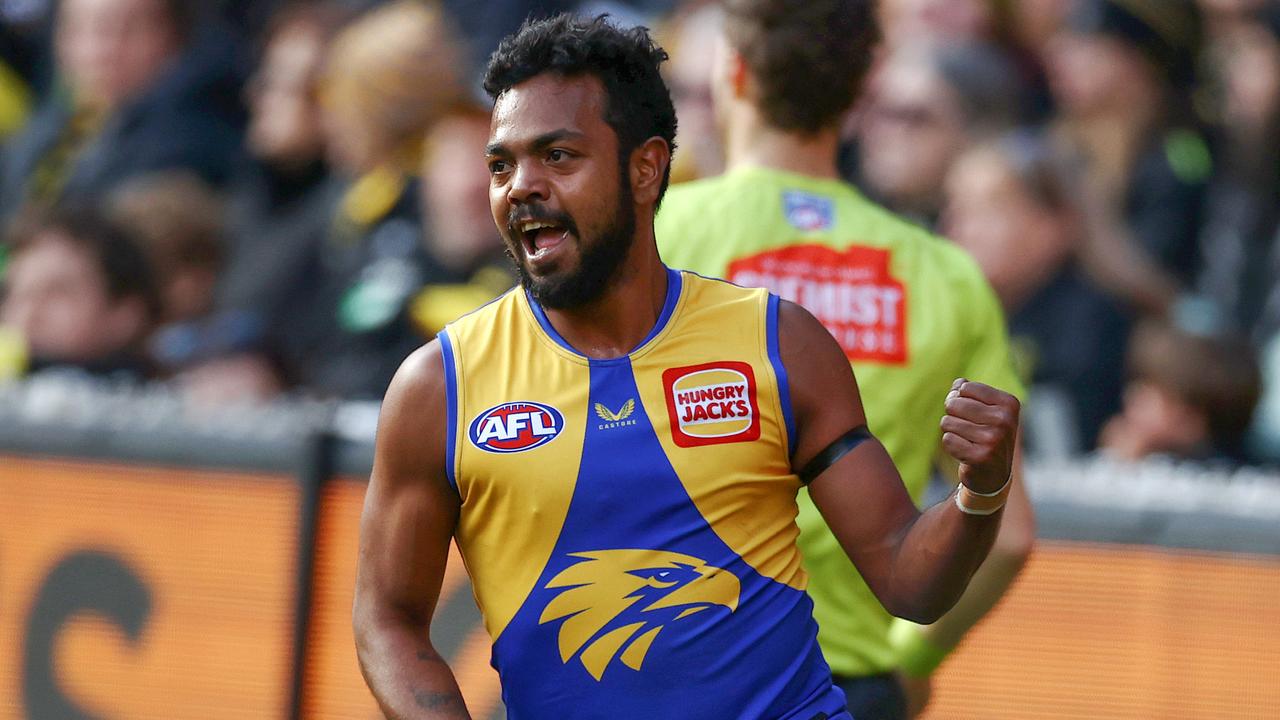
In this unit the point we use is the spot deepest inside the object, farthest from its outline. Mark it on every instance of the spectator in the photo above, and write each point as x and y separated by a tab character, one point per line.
178	220
140	95
81	293
459	225
282	199
1009	204
388	78
1190	396
455	193
926	104
277	212
1121	74
1017	29
1035	22
1242	211
911	21
694	35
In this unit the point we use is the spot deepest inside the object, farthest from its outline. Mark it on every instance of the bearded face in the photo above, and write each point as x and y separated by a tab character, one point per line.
559	189
535	230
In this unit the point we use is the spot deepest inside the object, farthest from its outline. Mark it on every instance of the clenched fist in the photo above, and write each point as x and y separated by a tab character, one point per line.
980	429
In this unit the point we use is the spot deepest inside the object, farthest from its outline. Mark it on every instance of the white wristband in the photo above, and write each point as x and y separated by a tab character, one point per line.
972	502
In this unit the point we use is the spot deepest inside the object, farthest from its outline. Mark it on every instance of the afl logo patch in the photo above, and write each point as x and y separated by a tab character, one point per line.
516	427
808	212
712	403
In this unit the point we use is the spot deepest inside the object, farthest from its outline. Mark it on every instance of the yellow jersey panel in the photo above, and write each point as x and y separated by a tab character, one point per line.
752	509
515	437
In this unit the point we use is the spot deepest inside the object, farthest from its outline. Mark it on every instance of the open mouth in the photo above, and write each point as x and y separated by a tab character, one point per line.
541	238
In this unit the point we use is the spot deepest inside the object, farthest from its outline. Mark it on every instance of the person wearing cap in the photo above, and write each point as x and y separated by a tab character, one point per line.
1121	72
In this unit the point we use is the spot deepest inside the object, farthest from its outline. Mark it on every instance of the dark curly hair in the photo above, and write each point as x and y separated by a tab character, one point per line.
809	57
626	61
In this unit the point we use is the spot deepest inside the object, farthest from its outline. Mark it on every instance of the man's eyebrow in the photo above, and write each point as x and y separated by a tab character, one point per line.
540	142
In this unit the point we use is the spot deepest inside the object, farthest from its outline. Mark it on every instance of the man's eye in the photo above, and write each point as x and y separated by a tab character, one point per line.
497	166
557	155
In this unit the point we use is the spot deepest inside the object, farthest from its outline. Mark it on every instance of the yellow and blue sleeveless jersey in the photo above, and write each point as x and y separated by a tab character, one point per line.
911	311
629	524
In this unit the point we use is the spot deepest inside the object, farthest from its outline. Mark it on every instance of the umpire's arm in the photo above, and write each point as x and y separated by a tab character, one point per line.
409	516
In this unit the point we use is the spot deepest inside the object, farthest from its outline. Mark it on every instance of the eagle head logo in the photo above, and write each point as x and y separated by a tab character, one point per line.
617	601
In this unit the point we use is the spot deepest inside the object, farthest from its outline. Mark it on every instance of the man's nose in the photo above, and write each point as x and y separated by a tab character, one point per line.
528	184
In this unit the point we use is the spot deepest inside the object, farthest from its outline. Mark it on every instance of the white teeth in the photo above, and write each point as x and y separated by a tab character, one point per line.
531	225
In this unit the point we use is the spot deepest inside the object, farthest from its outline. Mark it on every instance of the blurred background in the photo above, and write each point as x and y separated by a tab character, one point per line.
225	223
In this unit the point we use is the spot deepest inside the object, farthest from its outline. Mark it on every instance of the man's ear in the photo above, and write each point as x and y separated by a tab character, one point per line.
649	163
729	71
739	74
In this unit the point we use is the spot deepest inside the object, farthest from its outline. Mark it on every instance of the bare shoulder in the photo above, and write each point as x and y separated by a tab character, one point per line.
824	394
808	350
412	423
420	376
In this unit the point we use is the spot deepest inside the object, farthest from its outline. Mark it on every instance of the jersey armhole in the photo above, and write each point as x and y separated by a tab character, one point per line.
780	371
451	401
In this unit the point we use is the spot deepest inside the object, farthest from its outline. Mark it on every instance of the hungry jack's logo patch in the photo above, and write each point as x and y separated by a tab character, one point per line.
712	403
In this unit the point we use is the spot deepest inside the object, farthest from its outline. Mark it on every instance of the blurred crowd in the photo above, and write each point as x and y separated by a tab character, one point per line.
263	199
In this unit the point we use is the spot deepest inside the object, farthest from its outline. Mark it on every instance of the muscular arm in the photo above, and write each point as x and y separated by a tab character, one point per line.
1008	555
917	564
409	516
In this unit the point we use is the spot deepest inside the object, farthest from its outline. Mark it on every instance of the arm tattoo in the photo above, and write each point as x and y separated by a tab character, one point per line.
450	705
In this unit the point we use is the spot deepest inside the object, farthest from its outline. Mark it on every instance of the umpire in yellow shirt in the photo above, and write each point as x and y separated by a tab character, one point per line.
912	311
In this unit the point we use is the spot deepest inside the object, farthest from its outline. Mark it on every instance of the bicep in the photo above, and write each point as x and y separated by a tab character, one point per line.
861	495
410	509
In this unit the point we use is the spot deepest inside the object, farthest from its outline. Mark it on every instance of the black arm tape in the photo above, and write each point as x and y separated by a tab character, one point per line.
832	453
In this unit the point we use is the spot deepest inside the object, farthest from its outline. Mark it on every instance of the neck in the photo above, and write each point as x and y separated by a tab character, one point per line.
619	320
752	142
